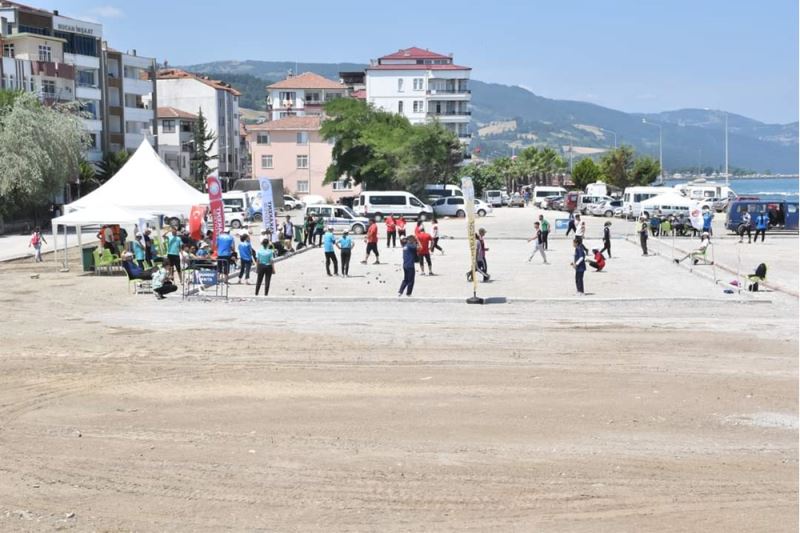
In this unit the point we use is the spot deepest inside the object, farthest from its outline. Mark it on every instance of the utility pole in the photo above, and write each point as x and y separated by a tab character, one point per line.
726	150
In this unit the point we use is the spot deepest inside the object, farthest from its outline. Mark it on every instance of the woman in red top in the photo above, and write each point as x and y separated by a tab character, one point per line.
401	226
391	232
599	261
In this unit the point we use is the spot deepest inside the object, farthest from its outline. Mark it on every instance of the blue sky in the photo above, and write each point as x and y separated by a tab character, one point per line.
633	55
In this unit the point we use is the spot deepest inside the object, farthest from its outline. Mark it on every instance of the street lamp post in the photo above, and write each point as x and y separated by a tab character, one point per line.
660	146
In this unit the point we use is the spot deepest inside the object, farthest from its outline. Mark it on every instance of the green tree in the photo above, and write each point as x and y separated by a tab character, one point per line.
203	140
645	171
382	150
617	165
484	176
40	150
585	172
110	165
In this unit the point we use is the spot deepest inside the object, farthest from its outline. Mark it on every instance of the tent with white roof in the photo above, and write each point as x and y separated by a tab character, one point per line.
145	183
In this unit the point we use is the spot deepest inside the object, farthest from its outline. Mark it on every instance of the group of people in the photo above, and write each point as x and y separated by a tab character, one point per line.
761	223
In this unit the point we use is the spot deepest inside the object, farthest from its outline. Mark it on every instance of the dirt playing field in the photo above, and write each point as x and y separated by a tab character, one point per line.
119	412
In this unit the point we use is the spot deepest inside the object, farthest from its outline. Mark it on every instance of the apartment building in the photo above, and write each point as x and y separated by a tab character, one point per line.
422	86
175	139
301	95
291	148
62	59
220	105
130	90
58	58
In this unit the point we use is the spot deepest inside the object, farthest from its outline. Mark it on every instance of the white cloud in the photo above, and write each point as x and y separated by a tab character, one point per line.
107	12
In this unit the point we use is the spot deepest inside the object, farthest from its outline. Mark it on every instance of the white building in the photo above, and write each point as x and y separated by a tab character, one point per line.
58	58
423	86
220	105
130	84
301	95
175	146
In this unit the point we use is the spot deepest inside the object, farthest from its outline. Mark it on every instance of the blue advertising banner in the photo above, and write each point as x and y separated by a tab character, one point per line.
268	215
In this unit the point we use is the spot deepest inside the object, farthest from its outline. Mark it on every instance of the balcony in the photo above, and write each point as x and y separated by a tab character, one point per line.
139	114
82	61
449	91
92	124
86	92
137	86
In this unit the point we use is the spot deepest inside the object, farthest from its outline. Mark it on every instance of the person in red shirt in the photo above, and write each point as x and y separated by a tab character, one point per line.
372	242
599	261
391	232
401	226
424	250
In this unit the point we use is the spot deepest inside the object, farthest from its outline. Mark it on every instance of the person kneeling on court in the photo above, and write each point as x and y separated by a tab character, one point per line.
161	283
599	261
701	253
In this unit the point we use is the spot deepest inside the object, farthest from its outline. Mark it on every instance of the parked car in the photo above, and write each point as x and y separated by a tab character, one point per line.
505	198
516	200
339	216
235	217
291	203
493	197
454	207
605	209
585	201
550	201
379	204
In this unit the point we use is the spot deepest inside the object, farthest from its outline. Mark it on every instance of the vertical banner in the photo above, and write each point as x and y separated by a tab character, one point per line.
696	217
268	216
469	206
216	206
196	216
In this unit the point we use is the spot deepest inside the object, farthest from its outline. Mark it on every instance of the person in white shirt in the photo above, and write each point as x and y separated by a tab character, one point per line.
580	231
435	235
745	226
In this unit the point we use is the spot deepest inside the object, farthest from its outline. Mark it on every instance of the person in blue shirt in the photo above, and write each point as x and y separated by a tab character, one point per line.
409	265
138	248
328	246
174	244
265	266
762	223
579	264
245	258
224	252
708	216
345	244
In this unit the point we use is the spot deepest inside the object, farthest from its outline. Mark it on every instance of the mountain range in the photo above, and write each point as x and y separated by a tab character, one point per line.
506	117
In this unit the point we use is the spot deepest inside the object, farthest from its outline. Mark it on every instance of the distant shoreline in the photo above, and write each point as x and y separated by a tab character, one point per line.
748	177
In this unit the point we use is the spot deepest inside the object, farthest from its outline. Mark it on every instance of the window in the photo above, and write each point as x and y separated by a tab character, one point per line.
340	212
399	85
168	126
132	73
419	106
302	137
287	98
387	200
400	107
49	87
312	98
262	138
186	126
86	78
302	186
266	161
455	201
8	50
440	201
78	44
418	84
45	53
415	202
342	185
302	161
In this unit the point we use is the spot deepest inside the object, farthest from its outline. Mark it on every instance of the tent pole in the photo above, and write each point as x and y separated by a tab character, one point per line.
54	229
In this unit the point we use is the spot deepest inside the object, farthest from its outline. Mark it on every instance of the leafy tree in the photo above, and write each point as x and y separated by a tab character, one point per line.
40	150
110	165
585	172
617	166
382	150
203	141
645	171
484	176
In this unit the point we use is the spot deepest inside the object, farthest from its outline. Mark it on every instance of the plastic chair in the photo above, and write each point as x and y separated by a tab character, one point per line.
760	276
140	286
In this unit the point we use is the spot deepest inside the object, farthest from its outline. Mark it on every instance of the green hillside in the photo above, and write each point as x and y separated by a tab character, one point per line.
691	137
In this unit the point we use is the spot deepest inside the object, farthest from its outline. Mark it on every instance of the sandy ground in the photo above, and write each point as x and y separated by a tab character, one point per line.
622	411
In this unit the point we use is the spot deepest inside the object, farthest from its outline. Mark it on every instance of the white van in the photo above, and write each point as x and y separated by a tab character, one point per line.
633	197
542	192
379	204
435	191
493	197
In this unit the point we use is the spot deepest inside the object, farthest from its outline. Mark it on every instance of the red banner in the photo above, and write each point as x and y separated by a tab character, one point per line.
216	206
196	217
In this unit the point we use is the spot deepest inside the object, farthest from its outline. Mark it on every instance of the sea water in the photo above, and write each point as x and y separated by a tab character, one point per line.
765	188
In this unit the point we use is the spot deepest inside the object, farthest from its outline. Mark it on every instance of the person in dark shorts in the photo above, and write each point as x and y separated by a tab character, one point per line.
372	242
174	244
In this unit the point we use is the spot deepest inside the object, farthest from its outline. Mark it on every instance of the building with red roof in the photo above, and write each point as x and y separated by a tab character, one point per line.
300	95
423	86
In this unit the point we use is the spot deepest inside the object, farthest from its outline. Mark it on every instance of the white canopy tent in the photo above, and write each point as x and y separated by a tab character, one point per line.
94	215
145	183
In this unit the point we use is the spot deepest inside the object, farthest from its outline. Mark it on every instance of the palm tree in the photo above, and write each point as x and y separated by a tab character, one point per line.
110	165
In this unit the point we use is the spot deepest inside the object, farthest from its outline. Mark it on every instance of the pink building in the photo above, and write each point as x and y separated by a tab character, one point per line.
292	149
